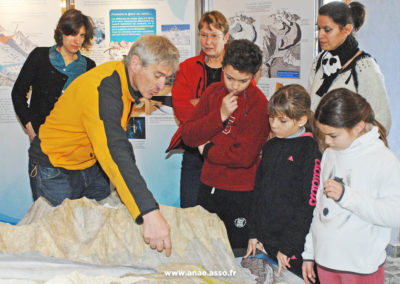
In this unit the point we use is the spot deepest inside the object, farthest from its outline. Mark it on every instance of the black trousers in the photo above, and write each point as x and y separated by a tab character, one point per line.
192	162
232	207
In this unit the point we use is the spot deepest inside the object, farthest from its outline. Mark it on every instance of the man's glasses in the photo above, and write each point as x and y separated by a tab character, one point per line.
213	37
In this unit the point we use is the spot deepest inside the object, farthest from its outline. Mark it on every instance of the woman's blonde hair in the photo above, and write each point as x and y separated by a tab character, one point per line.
216	19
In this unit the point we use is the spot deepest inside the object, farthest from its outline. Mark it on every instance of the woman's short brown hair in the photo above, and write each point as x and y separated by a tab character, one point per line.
70	23
216	19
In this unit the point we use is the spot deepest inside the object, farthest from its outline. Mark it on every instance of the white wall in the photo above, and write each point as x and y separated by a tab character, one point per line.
380	36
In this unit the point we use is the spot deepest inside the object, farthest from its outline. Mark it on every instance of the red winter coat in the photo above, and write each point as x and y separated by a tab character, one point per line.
190	83
232	161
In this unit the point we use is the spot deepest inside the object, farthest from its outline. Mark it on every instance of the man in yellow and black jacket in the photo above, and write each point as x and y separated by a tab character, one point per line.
87	127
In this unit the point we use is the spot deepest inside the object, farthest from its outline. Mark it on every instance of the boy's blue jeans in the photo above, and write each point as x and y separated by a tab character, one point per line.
57	184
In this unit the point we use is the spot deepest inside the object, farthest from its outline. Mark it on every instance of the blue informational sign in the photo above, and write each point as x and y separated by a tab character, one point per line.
168	28
288	74
130	24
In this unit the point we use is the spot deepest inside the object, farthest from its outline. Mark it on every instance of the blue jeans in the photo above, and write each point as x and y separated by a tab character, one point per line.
192	162
57	184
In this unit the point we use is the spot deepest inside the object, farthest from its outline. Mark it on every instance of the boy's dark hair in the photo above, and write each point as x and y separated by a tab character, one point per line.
243	55
70	23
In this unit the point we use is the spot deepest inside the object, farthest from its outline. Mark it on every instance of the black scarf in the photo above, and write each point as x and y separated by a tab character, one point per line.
333	61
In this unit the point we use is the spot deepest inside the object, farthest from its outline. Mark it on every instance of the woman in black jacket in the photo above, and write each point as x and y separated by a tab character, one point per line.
48	71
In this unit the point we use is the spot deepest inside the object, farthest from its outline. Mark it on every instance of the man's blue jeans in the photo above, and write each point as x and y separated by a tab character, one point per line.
57	184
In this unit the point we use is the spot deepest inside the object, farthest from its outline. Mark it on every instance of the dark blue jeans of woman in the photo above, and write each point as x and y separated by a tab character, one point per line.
192	162
57	184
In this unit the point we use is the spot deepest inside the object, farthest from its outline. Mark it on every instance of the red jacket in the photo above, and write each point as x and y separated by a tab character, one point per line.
190	83
232	161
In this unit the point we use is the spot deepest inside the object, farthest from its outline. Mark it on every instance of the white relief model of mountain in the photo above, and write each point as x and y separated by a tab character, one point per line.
85	231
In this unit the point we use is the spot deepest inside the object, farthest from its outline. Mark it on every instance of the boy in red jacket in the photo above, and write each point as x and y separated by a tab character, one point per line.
229	126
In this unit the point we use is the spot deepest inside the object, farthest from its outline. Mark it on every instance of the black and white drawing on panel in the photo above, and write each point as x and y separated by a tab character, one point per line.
242	27
281	36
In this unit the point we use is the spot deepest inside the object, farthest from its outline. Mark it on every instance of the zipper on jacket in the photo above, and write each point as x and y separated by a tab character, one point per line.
204	82
198	87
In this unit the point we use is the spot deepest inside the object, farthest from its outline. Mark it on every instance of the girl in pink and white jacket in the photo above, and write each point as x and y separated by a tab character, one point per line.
358	198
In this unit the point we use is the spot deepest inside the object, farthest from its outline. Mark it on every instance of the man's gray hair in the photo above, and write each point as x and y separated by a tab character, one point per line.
154	49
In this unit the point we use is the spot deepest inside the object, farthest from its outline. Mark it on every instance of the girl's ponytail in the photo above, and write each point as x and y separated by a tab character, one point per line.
382	132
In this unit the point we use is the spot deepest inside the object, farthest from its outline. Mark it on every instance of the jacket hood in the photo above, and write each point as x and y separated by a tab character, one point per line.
363	142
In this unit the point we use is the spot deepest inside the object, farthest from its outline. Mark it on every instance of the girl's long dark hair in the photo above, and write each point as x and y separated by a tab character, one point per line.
343	108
